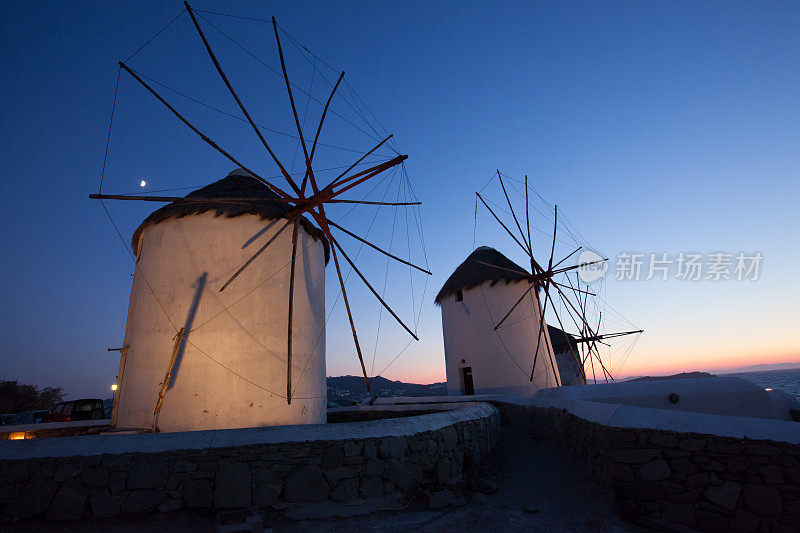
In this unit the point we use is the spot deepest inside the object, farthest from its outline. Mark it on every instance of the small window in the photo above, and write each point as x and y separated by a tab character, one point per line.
459	295
85	405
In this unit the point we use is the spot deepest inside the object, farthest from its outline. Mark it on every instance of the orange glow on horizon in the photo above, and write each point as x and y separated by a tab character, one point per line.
704	363
653	364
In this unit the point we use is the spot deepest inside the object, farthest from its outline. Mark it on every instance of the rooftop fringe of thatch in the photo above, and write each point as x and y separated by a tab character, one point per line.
471	273
238	184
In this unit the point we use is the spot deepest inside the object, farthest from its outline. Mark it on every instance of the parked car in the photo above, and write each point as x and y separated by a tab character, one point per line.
31	417
86	409
7	420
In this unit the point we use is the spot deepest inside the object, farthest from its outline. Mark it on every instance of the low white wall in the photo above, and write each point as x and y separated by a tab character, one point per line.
298	471
225	438
627	416
716	396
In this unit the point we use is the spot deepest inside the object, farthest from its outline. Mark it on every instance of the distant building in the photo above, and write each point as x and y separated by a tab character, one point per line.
478	358
567	355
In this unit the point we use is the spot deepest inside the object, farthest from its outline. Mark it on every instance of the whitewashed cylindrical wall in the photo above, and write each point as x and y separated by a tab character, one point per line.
501	360
231	371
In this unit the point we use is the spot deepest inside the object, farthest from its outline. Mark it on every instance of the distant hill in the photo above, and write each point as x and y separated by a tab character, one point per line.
353	388
682	375
761	368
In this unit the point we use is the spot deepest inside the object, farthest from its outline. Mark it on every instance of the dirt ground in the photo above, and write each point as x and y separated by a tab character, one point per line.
539	487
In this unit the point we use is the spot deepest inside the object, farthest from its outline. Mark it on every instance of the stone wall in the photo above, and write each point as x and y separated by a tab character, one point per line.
304	478
705	482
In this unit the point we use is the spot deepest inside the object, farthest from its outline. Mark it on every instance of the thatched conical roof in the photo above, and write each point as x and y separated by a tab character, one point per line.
561	340
471	273
238	184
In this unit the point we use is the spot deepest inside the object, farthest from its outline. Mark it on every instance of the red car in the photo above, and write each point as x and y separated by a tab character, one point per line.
87	409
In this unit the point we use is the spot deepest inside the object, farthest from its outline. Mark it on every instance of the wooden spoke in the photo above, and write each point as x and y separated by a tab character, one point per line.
365	202
522	272
334	182
319	129
384	252
577	291
501	223
571	305
238	101
370	173
549	344
567	269
191	200
583	319
574	289
309	170
524	294
528	221
253	258
513	215
553	247
593	346
197	200
148	198
211	143
570	255
578	326
349	315
602	336
606	372
381	300
539	337
291	314
322	221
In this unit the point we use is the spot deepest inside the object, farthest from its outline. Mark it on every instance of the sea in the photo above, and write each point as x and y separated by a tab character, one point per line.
786	380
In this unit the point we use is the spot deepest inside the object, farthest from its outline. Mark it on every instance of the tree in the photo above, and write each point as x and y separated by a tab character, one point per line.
16	397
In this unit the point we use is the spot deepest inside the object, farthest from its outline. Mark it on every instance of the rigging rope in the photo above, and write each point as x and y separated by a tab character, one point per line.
385	282
108	138
305	115
261	126
357	109
358	253
491	318
274	71
156	35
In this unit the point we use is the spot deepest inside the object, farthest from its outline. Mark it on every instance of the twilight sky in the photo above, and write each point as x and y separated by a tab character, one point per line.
656	128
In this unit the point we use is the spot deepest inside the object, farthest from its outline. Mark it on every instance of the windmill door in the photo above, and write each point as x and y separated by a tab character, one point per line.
466	374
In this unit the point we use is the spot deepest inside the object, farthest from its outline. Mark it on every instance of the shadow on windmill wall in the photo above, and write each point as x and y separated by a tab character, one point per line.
261	232
200	286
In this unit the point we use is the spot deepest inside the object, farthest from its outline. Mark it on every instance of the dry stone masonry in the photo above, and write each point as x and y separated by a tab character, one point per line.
305	478
704	482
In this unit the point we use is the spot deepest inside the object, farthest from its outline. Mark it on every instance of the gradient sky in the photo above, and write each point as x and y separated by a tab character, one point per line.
656	127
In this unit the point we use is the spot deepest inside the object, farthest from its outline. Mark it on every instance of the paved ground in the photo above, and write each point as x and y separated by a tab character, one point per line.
541	487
